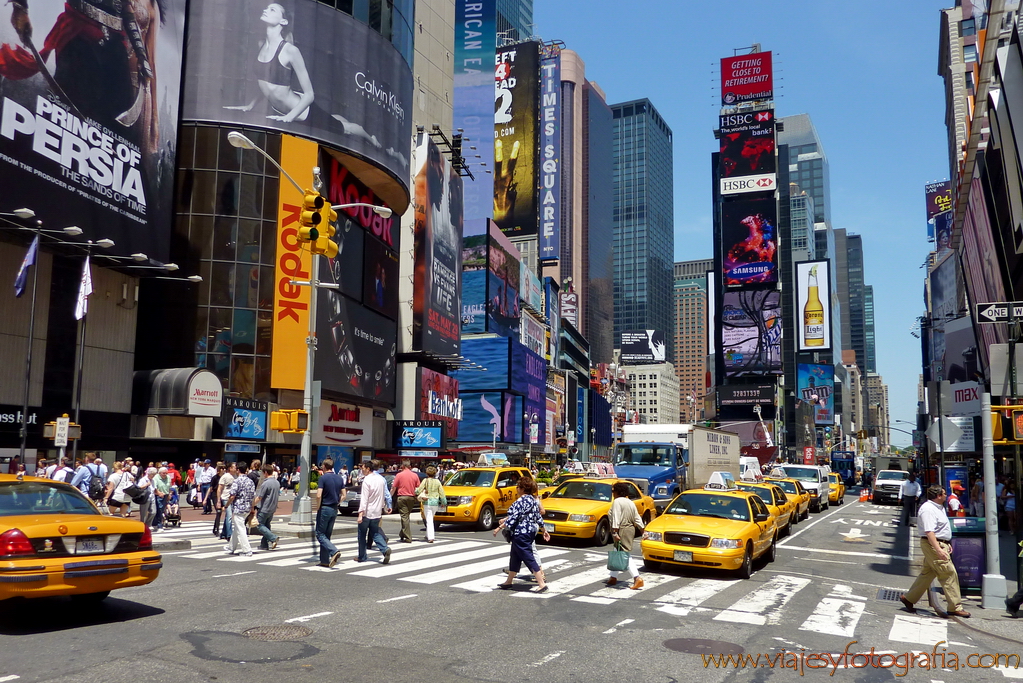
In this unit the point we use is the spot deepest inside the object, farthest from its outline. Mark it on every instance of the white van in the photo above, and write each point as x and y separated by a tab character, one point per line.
749	469
813	478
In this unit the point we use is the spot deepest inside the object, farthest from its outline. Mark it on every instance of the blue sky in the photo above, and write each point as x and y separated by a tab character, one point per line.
868	79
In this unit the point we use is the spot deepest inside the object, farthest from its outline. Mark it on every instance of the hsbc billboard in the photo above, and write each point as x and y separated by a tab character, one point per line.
749	183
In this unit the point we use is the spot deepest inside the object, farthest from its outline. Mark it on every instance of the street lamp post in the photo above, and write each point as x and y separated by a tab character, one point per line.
593	443
303	505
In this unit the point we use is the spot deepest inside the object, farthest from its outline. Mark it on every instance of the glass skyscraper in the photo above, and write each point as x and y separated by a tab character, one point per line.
808	164
514	20
643	215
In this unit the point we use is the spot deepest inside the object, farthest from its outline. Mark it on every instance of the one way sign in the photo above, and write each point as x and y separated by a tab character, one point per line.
998	312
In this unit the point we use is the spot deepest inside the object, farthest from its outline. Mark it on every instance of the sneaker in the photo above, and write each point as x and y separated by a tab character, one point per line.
248	554
334	558
273	544
227	548
387	556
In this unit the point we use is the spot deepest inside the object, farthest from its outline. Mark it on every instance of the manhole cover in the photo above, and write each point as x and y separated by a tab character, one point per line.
279	632
698	646
889	594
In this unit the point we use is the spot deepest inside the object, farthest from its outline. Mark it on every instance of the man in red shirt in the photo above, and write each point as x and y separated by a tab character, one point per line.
174	474
403	490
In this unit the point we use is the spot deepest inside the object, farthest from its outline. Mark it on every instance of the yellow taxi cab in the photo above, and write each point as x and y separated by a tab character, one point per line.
558	481
796	493
477	495
778	504
53	541
836	490
580	508
716	527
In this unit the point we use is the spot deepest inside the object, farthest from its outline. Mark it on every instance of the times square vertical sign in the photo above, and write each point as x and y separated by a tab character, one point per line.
550	153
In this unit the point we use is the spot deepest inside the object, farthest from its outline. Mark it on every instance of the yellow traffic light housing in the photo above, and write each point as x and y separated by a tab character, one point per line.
1017	425
324	243
289	421
311	218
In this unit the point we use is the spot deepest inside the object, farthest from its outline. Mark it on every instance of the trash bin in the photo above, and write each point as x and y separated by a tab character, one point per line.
969	550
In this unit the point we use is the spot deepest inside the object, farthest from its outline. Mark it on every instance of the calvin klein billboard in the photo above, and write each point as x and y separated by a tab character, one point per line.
306	69
89	118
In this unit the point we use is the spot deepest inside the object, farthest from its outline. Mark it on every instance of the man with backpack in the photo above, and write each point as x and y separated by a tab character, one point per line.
91	478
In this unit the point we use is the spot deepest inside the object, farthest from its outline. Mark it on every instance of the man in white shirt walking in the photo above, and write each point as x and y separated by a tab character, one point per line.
909	495
373	504
936	546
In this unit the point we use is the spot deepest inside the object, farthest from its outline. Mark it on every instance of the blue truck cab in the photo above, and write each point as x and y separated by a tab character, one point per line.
659	469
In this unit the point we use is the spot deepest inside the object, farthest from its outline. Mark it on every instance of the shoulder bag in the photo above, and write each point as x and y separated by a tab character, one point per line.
618	559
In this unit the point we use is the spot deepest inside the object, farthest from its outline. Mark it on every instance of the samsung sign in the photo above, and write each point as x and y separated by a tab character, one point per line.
749	183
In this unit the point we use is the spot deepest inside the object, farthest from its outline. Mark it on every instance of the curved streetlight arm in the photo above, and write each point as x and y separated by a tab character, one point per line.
381	211
241	142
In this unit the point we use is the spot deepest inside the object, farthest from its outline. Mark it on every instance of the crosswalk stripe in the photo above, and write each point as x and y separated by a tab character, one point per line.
415	551
476	568
682	601
220	552
834	616
907	628
488	583
404	568
764	605
560	586
610	594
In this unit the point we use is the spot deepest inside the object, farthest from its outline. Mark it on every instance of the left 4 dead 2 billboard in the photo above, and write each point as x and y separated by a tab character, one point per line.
89	116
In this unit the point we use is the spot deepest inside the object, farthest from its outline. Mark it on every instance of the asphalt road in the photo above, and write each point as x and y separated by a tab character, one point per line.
433	614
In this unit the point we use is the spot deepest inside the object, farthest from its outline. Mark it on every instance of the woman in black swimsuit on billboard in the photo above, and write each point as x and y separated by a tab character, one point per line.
277	61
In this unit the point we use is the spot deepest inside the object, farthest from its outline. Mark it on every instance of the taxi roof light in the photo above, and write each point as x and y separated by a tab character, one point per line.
721	481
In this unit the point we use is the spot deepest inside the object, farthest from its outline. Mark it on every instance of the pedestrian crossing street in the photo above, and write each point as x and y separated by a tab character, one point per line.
579	575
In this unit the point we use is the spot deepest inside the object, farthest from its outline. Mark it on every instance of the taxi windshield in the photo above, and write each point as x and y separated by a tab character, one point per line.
787	486
638	454
481	478
762	492
37	498
584	490
562	478
703	505
802	473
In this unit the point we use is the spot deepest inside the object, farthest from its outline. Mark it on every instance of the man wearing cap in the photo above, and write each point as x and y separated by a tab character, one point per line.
936	545
205	476
955	506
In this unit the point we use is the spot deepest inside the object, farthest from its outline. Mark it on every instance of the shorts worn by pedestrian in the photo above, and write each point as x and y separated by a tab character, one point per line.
936	545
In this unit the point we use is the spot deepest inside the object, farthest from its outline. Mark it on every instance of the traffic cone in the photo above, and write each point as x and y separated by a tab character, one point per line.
864	495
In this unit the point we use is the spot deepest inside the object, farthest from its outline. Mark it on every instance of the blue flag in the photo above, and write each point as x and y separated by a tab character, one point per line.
29	260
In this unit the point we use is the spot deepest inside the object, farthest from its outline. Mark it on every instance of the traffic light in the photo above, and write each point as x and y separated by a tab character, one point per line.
289	421
311	219
1017	425
325	243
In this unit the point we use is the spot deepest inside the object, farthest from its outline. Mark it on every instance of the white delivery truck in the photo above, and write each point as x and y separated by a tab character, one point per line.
711	450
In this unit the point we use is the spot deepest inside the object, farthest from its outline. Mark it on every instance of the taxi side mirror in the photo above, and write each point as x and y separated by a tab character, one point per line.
760	518
545	494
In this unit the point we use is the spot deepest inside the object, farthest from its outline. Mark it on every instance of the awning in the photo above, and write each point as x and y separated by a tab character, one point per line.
177	391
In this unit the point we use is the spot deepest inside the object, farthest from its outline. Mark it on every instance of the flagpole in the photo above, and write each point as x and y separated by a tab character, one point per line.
28	356
80	356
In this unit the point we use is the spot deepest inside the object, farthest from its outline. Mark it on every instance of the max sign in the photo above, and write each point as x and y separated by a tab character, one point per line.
961	399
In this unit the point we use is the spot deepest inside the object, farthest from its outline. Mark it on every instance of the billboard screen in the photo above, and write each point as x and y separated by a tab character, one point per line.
749	240
417	434
380	279
503	270
244	418
88	131
528	374
751	332
438	400
291	302
550	155
815	385
532	333
746	394
745	78
938	199
531	290
473	100
307	70
356	352
438	252
493	354
474	284
516	102
813	304
747	150
642	346
481	412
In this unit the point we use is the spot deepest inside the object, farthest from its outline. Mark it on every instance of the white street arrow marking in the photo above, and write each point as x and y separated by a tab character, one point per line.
307	617
854	535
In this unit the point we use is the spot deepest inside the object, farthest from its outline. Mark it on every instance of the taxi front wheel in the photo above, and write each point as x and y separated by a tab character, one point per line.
746	570
486	522
772	552
602	536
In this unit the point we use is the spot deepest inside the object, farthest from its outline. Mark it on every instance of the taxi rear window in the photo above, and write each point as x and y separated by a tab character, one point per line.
762	492
701	505
37	498
786	486
586	490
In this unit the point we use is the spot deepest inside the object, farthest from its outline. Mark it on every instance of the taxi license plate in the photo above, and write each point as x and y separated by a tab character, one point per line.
88	546
683	556
548	526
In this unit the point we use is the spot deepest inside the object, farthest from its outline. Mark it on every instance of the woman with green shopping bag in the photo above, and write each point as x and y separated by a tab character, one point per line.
625	525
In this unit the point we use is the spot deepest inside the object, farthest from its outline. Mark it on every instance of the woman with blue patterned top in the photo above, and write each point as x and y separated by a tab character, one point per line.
524	519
